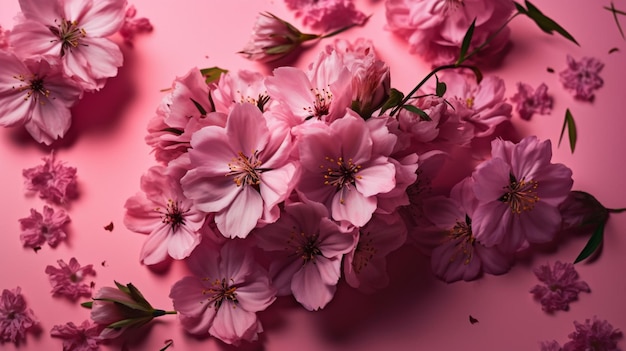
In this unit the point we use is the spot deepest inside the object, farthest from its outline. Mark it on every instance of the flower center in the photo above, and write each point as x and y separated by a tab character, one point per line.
520	195
259	102
174	215
68	33
450	6
469	102
341	173
321	105
363	253
246	170
462	234
305	246
33	85
219	291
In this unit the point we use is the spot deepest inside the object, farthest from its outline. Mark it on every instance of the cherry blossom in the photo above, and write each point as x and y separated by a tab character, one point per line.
582	77
595	334
53	181
39	228
83	337
326	14
132	26
560	286
530	101
15	317
69	279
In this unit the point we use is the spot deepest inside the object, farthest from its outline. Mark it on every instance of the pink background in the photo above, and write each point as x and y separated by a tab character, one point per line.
106	144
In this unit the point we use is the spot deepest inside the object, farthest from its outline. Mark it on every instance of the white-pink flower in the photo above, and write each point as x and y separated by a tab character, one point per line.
74	31
241	172
306	249
343	169
69	279
35	93
223	296
171	220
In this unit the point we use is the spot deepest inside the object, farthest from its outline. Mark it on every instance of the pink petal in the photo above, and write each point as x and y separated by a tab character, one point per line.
242	215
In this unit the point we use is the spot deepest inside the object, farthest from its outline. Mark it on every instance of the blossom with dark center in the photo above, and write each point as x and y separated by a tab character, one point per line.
70	279
15	317
561	286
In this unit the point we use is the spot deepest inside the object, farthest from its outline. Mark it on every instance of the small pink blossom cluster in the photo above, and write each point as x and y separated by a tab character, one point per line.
594	334
326	14
284	184
435	29
57	50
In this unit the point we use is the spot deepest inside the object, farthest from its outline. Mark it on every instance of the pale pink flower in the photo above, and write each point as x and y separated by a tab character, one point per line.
459	256
83	337
550	346
35	93
560	286
241	87
53	181
365	267
344	170
582	78
133	26
69	280
306	249
530	101
241	172
75	32
519	192
41	228
273	38
228	288
171	220
182	112
15	317
435	29
483	104
324	92
4	38
326	14
594	335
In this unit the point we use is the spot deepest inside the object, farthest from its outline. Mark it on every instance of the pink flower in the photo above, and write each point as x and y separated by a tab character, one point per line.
519	192
343	169
35	93
582	77
69	279
530	101
435	29
84	337
241	87
326	14
560	286
54	181
365	267
182	112
459	255
4	38
483	104
241	172
228	288
273	38
306	249
75	32
594	335
15	318
133	26
162	211
38	229
550	346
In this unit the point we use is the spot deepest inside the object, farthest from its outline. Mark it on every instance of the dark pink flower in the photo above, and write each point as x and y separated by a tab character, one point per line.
530	101
519	192
69	280
171	220
4	38
34	92
75	32
228	288
133	26
594	335
560	286
83	337
326	14
15	318
550	346
54	181
40	228
582	77
306	249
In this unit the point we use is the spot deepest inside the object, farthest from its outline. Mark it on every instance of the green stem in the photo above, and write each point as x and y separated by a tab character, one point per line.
490	38
616	210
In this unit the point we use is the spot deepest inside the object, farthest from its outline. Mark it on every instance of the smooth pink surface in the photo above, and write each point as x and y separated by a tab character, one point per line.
106	144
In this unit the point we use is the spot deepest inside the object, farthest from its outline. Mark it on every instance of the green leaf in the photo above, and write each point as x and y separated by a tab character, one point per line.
520	8
467	40
173	131
279	49
198	106
546	24
571	130
122	287
136	295
593	243
423	115
394	99
212	74
615	13
477	73
440	88
87	304
167	346
134	322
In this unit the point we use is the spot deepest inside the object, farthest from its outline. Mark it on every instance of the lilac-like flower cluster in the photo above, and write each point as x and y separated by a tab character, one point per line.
594	334
560	286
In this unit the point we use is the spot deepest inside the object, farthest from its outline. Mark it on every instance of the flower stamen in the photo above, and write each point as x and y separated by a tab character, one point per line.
69	34
520	195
